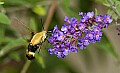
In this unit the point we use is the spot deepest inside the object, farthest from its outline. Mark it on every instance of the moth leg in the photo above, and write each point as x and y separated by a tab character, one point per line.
40	44
39	49
47	41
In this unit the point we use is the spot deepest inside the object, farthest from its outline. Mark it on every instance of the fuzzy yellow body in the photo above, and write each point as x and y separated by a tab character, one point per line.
34	44
38	38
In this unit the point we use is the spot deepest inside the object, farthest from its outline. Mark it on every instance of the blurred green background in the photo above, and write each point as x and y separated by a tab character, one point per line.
17	16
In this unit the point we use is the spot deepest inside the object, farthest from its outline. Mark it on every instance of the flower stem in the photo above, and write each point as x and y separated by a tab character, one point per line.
50	14
26	66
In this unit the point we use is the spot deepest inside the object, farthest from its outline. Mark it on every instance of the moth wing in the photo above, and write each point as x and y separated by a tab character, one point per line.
22	29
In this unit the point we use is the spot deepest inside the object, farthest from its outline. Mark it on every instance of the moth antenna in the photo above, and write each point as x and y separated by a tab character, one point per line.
42	24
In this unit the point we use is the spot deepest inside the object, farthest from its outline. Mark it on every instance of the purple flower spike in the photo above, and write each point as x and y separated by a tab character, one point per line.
81	13
73	20
99	18
84	19
55	29
61	36
96	29
77	34
82	26
73	49
86	42
51	51
101	25
81	44
60	55
64	28
90	14
66	19
98	36
107	18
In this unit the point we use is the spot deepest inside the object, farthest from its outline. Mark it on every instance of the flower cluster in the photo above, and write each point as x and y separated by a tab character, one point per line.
76	34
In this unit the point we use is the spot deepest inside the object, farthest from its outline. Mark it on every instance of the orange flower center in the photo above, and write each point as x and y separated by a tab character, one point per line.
107	19
62	36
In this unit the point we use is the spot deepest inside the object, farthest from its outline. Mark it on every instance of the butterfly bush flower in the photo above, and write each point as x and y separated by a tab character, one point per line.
77	34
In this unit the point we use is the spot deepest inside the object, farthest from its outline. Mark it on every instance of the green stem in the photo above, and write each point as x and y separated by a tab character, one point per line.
50	14
26	66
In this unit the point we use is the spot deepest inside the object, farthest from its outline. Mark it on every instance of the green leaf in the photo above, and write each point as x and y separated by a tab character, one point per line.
6	39
71	12
108	5
4	19
100	1
40	60
66	3
33	1
118	6
96	12
40	10
16	2
1	3
12	44
14	55
2	31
